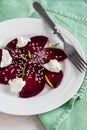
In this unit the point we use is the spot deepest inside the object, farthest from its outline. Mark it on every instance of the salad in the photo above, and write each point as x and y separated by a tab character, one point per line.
27	64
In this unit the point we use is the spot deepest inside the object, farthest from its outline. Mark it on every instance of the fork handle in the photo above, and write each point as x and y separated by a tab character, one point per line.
44	15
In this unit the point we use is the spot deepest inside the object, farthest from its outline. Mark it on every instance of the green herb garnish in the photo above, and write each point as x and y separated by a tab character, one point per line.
29	54
54	45
23	58
48	81
23	72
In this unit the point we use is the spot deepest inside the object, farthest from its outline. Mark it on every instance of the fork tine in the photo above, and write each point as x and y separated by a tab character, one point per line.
77	61
76	65
80	60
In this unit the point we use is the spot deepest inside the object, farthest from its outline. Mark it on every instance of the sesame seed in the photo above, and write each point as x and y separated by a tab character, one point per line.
12	71
6	69
32	72
29	77
34	48
6	79
34	65
47	53
39	78
13	41
60	56
39	82
41	73
38	48
36	79
29	44
56	56
23	50
33	44
50	52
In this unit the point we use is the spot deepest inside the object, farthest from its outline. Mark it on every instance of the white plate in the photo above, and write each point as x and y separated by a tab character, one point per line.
48	99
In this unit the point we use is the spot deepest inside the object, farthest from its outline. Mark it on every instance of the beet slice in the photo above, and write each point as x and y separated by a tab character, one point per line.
32	87
34	77
55	53
12	44
55	78
9	72
41	40
37	43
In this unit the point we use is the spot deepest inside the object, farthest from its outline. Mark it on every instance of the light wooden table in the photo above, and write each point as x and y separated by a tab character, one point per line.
12	122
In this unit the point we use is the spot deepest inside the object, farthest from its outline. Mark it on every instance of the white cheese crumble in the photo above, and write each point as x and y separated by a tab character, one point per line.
6	58
16	84
22	42
52	66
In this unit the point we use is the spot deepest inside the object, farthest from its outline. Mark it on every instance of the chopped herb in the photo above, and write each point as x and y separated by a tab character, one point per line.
23	58
48	81
54	45
29	54
23	72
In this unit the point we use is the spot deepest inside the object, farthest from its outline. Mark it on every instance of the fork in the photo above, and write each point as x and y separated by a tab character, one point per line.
69	50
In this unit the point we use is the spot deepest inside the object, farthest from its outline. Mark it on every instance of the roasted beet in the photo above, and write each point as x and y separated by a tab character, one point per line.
12	44
34	77
55	53
55	78
9	72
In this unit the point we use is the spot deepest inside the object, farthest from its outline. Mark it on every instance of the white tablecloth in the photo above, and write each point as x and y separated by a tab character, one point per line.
12	122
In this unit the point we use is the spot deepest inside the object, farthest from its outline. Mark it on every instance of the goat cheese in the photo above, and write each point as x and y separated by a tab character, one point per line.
16	84
22	42
52	66
6	58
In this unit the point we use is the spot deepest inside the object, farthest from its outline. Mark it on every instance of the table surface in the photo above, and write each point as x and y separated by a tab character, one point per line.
12	122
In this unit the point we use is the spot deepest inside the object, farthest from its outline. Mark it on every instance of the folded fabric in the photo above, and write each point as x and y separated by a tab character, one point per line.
72	16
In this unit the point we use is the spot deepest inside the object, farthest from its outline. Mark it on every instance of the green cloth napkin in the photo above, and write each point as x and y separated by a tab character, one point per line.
72	16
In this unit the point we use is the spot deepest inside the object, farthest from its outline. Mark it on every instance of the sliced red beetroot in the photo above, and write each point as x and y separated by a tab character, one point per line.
12	44
34	77
9	72
0	55
41	40
32	87
37	43
54	78
55	53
